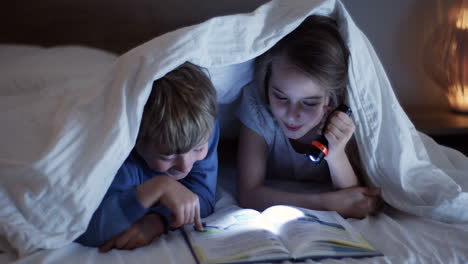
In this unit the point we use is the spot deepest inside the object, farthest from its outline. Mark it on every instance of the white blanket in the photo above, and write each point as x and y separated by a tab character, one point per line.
401	237
63	139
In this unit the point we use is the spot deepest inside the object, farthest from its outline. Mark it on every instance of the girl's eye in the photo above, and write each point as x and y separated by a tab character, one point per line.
310	104
279	97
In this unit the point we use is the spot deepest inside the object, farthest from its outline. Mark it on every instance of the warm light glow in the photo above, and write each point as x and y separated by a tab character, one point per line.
458	97
462	19
447	55
285	213
454	47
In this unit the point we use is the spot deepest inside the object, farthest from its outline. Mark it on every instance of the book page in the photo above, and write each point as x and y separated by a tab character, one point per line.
316	233
235	235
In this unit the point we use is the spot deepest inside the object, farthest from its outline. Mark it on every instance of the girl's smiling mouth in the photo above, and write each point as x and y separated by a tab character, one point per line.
292	128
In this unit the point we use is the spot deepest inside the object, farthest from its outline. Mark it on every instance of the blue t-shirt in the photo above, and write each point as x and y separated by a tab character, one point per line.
120	207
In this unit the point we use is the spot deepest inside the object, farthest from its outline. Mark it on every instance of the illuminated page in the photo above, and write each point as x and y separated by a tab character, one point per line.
317	234
235	235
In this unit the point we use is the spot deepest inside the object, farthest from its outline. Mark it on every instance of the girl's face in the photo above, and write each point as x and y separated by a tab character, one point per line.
297	101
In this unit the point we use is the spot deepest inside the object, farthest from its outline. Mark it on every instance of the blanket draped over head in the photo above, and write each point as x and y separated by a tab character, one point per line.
68	123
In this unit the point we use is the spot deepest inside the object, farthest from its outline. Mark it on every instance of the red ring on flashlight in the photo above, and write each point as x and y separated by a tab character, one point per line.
320	146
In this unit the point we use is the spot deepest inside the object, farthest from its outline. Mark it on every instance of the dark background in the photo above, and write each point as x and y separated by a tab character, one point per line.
113	25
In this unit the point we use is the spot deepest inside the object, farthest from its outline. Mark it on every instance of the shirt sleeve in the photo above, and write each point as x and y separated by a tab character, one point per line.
203	176
119	209
255	114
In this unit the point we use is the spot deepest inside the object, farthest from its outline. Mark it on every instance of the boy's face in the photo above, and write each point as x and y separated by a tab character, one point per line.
176	166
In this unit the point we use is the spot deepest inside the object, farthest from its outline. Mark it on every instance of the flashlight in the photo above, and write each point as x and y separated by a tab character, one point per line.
319	147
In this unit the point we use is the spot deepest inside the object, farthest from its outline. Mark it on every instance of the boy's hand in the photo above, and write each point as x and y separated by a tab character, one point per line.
339	130
182	202
140	234
354	202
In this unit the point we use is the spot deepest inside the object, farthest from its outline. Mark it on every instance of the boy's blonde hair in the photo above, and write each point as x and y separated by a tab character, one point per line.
181	110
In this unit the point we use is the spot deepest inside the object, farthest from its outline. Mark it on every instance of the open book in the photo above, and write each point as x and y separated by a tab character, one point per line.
236	235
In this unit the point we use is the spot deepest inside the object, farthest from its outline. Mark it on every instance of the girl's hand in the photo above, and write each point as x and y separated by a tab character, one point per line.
354	202
339	130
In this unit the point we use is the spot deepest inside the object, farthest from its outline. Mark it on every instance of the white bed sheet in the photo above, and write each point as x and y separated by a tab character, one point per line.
401	237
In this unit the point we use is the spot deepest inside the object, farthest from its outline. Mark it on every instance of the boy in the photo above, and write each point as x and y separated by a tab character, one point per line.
169	179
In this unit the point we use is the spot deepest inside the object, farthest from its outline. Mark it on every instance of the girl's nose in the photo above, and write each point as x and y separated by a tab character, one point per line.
292	112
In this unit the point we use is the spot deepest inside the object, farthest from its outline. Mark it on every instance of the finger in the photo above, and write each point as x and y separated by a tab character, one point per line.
188	216
336	131
344	118
179	218
131	244
337	137
343	127
107	246
330	137
146	240
123	239
371	191
341	118
192	214
365	206
141	243
198	222
137	241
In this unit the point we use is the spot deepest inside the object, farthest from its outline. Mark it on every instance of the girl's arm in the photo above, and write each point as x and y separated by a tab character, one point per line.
356	202
252	193
339	131
342	173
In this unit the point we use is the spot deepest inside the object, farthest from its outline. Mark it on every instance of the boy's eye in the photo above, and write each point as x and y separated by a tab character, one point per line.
166	157
198	149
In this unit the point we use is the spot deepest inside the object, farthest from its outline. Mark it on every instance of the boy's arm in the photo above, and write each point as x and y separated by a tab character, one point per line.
201	181
119	209
203	177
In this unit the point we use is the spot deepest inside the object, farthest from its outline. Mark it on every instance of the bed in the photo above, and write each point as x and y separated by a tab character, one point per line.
53	176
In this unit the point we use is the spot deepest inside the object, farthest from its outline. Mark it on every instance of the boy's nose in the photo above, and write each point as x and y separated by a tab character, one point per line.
185	163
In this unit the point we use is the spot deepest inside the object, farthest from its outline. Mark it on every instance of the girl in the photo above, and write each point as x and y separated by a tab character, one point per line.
299	80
